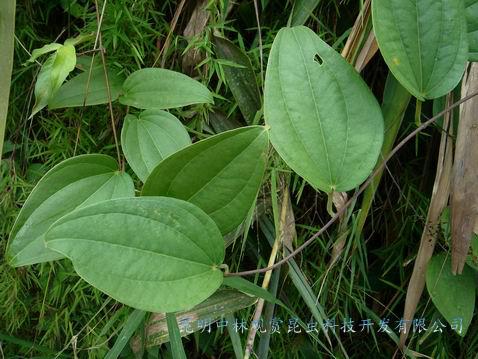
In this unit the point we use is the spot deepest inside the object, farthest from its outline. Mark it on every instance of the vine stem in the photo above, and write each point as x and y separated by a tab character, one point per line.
99	40
357	193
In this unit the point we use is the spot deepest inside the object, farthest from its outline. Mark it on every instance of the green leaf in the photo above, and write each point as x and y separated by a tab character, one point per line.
151	137
156	254
73	183
241	80
44	50
221	175
162	89
302	11
73	93
7	34
453	295
175	341
52	74
471	11
132	323
472	259
423	42
250	288
324	121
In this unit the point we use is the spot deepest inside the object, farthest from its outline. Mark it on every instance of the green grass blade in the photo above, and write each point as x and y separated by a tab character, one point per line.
395	102
7	31
264	343
302	11
177	348
132	323
300	282
28	345
235	337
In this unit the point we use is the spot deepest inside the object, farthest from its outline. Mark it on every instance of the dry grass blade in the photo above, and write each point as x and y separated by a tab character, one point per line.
464	198
288	233
357	34
369	49
439	199
167	42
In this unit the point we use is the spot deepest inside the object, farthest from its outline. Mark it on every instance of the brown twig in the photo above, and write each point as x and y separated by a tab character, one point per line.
103	60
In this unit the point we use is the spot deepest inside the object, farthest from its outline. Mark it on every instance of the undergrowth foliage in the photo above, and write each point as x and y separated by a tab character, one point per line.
167	151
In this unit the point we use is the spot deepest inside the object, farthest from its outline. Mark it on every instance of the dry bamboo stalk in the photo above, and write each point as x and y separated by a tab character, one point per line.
369	49
439	199
464	197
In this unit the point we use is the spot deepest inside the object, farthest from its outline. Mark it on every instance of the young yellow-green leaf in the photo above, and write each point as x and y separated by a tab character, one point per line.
162	89
324	121
156	254
44	50
73	183
423	42
221	175
453	295
73	92
149	138
471	11
52	74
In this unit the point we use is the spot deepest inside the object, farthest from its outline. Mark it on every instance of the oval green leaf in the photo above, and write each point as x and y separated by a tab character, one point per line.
453	295
423	42
74	93
324	121
162	89
73	183
149	138
156	254
221	175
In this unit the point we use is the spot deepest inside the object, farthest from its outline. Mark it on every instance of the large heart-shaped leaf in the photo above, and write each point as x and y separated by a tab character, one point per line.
74	93
149	138
221	175
423	42
162	89
453	295
325	123
471	10
73	183
157	254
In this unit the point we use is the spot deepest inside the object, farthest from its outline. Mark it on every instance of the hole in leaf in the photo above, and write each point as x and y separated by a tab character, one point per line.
318	59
